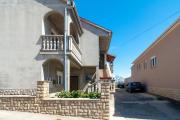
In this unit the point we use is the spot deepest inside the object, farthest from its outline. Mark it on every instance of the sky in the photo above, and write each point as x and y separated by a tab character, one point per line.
135	24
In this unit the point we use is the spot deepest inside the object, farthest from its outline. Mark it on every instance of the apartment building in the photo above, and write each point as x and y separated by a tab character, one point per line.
158	66
48	40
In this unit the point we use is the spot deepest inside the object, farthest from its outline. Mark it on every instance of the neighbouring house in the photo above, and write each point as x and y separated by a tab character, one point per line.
33	36
158	66
127	80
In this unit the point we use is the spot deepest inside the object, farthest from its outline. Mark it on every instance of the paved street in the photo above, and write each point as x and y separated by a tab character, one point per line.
138	106
13	115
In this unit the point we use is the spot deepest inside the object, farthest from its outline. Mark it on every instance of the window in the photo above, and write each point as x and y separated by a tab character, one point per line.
138	66
88	77
145	64
153	62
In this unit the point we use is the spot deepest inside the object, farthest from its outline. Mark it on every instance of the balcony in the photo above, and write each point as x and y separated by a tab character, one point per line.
54	44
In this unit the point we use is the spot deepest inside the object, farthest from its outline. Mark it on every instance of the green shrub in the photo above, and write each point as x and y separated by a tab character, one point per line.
78	94
98	95
84	95
94	95
64	94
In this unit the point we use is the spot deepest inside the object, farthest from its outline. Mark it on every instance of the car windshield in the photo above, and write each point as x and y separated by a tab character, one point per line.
136	84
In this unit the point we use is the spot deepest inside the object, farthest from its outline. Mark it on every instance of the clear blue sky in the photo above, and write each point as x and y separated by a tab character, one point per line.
127	19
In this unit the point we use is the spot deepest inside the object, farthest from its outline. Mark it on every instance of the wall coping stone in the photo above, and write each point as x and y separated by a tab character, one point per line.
15	96
74	99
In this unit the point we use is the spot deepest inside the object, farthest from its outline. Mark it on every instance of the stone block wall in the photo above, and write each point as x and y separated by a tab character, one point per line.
81	107
31	92
42	89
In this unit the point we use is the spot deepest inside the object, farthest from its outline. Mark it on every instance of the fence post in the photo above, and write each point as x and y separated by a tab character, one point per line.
105	98
42	89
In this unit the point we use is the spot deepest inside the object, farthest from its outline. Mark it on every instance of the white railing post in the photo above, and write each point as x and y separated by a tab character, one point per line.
47	43
51	43
55	47
43	44
58	43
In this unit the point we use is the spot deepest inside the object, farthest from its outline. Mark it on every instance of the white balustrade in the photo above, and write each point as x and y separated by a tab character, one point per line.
73	46
52	42
55	43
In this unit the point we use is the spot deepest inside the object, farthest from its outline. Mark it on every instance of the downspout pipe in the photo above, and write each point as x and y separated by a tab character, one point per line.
70	5
66	40
66	87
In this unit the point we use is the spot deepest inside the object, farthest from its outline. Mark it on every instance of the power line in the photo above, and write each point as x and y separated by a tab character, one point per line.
150	28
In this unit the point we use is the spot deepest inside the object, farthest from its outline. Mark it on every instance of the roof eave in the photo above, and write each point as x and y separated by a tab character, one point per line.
76	16
109	32
95	25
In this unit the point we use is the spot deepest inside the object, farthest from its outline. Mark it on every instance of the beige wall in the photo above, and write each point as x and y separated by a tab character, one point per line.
90	48
166	73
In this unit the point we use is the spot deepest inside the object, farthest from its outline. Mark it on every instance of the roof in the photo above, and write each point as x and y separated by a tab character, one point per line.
95	25
159	39
108	32
80	19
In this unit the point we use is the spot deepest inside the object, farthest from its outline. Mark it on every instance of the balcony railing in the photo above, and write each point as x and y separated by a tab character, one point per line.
55	43
73	46
52	42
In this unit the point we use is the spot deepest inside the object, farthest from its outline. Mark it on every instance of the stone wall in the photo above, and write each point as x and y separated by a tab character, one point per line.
31	92
41	103
166	92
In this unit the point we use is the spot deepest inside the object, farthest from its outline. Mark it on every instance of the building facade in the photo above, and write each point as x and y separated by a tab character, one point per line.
158	66
34	34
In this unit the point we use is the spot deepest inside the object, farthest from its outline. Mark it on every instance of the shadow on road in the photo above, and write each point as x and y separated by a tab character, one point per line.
143	106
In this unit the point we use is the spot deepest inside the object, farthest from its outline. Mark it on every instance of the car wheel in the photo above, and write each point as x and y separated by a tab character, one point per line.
130	91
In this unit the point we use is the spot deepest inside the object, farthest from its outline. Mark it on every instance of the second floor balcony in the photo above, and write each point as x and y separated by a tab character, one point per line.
54	44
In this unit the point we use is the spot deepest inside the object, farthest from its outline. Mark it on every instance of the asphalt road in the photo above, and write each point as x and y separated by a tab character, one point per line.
138	106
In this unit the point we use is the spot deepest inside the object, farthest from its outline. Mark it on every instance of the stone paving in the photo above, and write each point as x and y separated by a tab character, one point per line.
142	106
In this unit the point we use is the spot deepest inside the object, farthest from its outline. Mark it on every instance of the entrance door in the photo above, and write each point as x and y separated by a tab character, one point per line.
73	83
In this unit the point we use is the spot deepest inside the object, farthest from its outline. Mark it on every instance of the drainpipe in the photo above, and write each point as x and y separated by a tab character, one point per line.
66	40
66	88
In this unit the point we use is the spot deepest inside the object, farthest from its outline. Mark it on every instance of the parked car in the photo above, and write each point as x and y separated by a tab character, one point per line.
135	86
121	85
